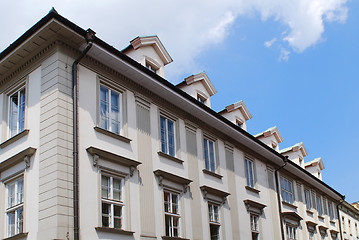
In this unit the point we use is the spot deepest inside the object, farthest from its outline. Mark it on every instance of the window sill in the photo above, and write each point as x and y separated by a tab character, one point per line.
321	218
177	160
111	134
252	189
173	238
114	230
213	174
289	205
14	138
310	212
332	222
17	236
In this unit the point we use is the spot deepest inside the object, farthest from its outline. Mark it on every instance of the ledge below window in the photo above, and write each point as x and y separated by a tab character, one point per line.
289	205
172	158
114	230
213	174
17	236
111	134
14	138
321	218
173	238
332	222
310	212
252	189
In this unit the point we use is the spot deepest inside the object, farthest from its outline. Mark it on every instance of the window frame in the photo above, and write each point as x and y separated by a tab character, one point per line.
170	228
319	204
308	199
254	221
111	201
290	193
207	161
291	232
214	219
122	105
17	206
250	172
175	134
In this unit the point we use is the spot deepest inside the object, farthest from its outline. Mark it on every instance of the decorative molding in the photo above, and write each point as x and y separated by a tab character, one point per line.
161	175
289	205
216	192
254	207
95	160
174	159
292	216
111	134
24	155
114	230
252	189
213	174
17	236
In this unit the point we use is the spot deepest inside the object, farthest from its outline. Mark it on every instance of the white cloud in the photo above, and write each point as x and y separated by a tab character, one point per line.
284	55
186	27
270	42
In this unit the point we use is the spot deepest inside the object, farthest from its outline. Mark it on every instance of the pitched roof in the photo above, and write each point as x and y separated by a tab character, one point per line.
271	131
294	148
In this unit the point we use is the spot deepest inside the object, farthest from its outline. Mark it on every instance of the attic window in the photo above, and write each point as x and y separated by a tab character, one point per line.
201	99
152	67
274	145
239	123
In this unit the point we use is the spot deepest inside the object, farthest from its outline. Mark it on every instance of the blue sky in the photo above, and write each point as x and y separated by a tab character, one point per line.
303	80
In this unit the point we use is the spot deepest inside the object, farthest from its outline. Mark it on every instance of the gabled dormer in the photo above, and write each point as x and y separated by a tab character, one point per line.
200	87
271	137
295	153
315	167
150	52
237	113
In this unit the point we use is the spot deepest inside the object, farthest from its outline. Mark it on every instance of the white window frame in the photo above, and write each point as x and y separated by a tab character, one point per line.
308	199
19	109
249	167
330	210
210	162
254	220
112	202
15	208
291	232
319	205
107	119
171	215
286	192
214	219
165	136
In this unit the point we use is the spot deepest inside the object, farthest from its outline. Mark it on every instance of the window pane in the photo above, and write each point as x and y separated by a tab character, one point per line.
163	135
20	190
13	115
211	154
206	157
250	169
214	230
19	220
105	182
11	223
166	201
174	203
117	216
22	111
116	189
115	112
171	138
104	108
106	210
11	195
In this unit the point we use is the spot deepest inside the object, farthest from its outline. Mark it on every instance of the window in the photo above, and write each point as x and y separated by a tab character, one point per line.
239	123
172	214
350	227
291	232
287	190
110	110
151	67
249	172
111	199
311	235
167	136
343	225
314	202
214	223
15	207
330	208
325	206
16	112
356	230
307	199
319	205
201	99
254	227
209	154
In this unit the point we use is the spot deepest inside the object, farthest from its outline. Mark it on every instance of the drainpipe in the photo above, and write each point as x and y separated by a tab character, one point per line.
339	218
278	195
89	39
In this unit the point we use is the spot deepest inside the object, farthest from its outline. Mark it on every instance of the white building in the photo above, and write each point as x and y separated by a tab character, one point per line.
136	157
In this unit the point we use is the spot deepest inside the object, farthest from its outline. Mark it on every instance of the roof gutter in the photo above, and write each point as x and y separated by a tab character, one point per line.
89	39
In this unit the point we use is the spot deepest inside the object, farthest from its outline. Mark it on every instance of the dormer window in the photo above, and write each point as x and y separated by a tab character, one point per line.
201	99
152	67
239	123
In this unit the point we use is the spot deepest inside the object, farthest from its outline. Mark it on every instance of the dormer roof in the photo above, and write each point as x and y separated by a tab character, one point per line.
271	131
238	105
157	45
315	162
295	148
205	81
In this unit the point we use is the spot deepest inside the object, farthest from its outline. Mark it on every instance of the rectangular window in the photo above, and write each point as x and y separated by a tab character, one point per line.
167	136
291	232
287	190
308	201
111	200
249	172
319	205
330	208
16	112
214	223
311	235
209	154
314	202
254	227
110	110
15	207
343	225
172	214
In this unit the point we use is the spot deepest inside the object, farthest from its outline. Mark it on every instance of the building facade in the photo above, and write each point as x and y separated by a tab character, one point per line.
96	144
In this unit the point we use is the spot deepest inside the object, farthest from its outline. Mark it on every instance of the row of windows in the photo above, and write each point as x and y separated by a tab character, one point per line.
347	228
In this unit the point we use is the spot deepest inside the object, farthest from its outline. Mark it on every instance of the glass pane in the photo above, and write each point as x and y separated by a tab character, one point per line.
251	178
22	111
13	115
105	182
104	108
175	226
20	187
174	203
163	135
117	223
168	225
11	223
211	154
171	138
19	220
166	201
206	157
214	230
117	189
115	112
117	216
11	195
